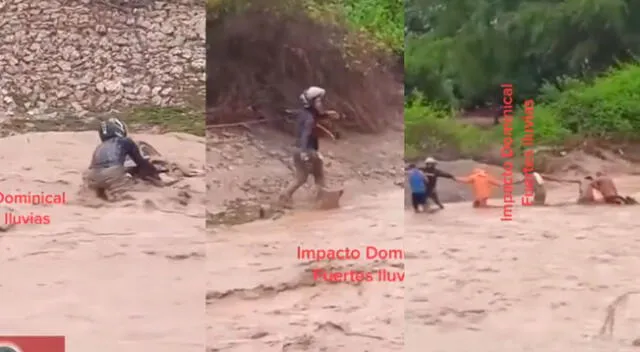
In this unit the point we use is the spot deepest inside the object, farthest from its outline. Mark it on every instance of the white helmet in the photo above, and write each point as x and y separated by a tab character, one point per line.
113	127
311	93
430	160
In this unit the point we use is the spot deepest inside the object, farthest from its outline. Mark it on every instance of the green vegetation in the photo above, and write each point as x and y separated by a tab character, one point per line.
380	21
166	119
443	131
170	119
574	58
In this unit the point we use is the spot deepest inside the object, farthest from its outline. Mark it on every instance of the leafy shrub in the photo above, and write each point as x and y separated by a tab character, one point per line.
547	126
611	104
430	127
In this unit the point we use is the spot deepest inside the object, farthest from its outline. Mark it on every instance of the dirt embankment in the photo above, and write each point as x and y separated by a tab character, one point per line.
80	56
259	63
261	59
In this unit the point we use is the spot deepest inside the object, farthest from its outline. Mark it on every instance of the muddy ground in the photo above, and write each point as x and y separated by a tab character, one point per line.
247	170
106	276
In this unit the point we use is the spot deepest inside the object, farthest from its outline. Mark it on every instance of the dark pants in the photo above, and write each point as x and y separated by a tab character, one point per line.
433	195
418	199
110	184
314	166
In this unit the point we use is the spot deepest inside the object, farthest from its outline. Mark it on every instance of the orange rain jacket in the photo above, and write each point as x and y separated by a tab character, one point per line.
481	182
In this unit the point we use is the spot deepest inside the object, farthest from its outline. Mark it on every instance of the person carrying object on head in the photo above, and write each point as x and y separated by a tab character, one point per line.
432	173
107	175
306	157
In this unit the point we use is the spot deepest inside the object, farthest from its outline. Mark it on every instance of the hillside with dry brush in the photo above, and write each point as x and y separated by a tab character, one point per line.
263	55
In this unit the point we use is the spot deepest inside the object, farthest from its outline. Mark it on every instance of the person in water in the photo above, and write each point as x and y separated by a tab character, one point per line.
539	189
605	185
418	184
107	175
602	184
482	184
586	189
306	157
432	173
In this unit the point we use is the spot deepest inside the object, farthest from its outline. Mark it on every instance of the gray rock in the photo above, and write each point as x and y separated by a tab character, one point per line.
98	57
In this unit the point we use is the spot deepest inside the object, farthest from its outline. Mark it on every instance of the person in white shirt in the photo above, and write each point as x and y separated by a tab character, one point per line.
585	191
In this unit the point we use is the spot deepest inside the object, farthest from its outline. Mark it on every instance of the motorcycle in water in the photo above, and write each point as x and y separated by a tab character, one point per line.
155	158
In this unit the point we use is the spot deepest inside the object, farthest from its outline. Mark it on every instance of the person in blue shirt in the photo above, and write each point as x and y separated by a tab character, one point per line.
418	184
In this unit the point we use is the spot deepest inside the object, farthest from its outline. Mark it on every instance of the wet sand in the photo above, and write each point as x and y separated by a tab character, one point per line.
262	298
539	283
124	277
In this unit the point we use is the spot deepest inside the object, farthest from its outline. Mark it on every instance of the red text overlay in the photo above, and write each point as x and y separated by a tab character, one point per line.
30	199
507	152
371	253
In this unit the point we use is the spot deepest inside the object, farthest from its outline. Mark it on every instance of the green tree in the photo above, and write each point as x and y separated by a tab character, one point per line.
458	51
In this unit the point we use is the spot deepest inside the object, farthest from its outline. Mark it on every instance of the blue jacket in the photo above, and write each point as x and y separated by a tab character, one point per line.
417	181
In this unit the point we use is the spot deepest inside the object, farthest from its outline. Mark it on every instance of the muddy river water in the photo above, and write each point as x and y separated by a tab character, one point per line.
276	299
539	283
108	277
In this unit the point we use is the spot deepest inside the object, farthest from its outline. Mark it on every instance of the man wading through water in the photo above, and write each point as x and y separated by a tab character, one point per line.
432	173
307	158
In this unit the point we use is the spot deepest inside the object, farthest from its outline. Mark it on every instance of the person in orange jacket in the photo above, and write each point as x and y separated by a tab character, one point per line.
482	184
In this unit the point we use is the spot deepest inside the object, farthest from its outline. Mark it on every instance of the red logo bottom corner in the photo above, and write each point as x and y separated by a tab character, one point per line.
32	344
